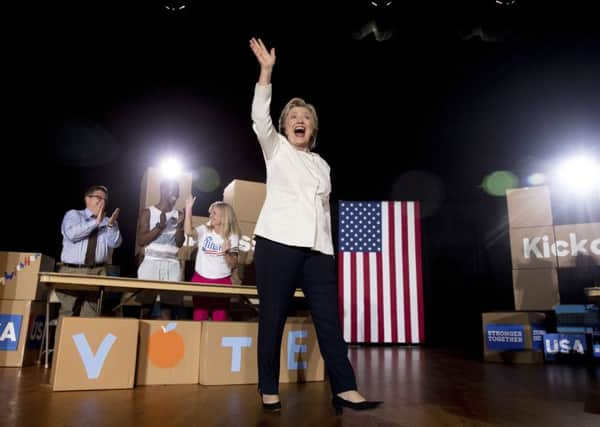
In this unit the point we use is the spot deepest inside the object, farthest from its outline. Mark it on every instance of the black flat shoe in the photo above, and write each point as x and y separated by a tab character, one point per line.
339	404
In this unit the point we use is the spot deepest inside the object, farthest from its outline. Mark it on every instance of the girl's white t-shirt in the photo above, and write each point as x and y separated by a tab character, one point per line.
210	261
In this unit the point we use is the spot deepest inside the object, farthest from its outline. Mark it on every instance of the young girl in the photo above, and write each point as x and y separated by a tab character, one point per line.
217	255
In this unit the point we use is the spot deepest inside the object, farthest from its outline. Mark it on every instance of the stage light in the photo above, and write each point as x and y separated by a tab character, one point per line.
175	6
170	168
378	20
579	174
536	179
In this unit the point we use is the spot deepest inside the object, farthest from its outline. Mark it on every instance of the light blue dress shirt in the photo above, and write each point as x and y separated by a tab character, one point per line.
76	228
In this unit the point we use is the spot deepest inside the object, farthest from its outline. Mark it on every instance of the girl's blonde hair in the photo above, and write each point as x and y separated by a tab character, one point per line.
230	223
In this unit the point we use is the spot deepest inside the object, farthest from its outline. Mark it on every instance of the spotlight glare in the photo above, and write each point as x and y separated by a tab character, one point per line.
536	179
579	174
170	168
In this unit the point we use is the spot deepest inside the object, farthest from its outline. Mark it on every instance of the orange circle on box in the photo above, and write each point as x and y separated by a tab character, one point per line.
165	349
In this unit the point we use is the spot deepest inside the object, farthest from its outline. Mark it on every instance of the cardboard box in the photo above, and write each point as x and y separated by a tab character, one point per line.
529	207
168	352
533	247
516	357
247	228
21	328
199	220
246	198
20	270
578	245
301	359
536	289
513	337
94	353
228	353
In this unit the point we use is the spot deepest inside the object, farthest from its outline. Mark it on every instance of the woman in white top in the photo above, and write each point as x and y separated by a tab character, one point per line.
160	232
294	244
218	242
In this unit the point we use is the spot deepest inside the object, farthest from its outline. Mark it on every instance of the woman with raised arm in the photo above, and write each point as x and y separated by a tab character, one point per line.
294	245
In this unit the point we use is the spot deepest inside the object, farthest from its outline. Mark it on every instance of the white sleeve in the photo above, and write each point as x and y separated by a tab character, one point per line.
262	124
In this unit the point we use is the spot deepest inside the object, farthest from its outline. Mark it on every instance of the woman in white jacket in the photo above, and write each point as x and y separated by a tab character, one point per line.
294	242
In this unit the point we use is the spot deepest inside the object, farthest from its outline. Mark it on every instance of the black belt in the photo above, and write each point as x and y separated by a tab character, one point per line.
83	265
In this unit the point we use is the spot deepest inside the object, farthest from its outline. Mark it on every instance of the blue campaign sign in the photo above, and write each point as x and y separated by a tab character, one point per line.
36	331
537	337
502	337
10	330
555	344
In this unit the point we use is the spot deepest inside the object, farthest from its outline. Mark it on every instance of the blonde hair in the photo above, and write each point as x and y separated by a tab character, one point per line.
230	223
299	102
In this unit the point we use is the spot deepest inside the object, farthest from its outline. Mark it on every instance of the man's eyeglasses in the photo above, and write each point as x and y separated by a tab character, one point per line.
98	197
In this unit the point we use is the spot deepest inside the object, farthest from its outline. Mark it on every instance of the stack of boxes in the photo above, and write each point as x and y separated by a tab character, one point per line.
22	309
535	275
517	337
538	249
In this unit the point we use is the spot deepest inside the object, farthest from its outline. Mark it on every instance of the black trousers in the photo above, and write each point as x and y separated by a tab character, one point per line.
279	270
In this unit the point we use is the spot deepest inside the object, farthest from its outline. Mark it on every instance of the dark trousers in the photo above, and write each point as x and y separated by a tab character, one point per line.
279	270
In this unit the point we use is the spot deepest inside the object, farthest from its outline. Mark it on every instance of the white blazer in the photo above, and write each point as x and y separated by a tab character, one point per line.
296	211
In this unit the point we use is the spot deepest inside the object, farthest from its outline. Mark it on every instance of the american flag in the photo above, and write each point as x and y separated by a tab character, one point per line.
380	278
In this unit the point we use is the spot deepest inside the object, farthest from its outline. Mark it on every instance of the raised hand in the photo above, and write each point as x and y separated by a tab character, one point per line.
189	202
163	221
100	212
113	217
265	58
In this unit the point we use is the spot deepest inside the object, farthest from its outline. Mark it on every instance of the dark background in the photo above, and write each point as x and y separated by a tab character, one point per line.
95	92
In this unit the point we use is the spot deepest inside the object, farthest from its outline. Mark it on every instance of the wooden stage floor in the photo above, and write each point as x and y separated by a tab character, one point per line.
420	387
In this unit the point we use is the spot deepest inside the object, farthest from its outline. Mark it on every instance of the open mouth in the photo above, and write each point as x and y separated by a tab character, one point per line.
300	131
